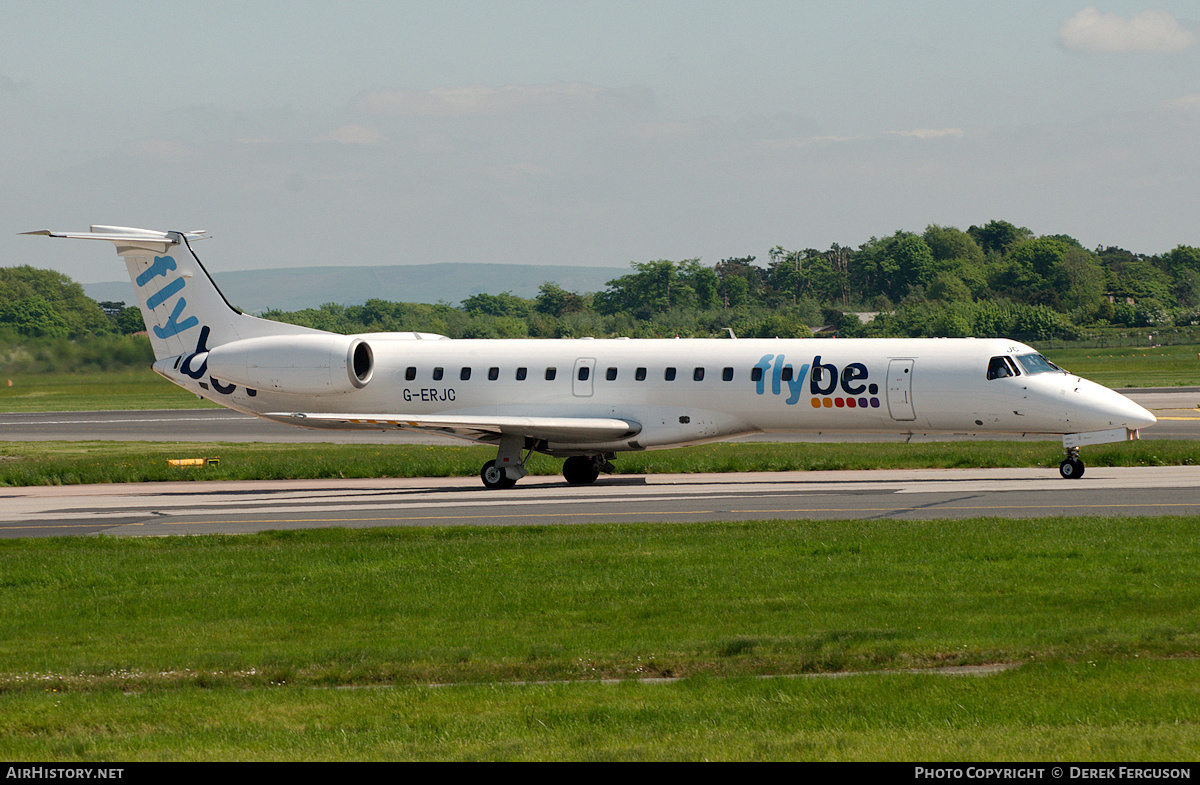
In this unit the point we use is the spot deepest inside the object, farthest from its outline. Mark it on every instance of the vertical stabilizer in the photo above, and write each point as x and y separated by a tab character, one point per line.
183	309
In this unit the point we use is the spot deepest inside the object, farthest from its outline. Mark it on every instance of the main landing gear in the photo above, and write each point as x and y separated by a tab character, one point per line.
1071	468
584	469
509	466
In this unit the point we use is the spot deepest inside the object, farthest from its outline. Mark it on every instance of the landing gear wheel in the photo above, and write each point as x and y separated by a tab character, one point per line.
580	470
495	477
1071	469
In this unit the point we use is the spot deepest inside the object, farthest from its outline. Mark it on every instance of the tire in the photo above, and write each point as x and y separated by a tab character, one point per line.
495	477
1071	469
580	470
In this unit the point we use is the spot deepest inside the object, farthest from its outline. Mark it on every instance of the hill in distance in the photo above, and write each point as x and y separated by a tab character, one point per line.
296	288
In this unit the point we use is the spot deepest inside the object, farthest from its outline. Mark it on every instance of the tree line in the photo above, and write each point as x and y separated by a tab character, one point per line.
991	280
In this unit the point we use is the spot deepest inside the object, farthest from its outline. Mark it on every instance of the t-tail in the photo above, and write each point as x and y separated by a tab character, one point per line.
184	311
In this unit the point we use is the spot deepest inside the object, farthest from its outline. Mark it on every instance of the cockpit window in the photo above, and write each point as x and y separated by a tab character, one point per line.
1035	363
1001	367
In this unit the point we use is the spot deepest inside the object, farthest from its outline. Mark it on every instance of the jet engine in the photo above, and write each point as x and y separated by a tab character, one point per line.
296	364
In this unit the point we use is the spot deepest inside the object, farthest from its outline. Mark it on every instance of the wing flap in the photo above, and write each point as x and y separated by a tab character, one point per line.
475	427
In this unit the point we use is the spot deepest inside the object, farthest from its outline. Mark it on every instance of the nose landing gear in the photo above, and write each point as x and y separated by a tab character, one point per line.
1071	468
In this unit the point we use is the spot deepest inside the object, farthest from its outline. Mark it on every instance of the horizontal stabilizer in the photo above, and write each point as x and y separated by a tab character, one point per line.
477	427
125	233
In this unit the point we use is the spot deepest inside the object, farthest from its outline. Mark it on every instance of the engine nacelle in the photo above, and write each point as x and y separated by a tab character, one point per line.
298	364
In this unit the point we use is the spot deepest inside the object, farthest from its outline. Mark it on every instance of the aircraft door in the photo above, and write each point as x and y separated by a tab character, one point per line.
899	390
581	380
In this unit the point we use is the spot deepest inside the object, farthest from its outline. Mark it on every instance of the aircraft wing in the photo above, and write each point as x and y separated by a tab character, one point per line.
485	428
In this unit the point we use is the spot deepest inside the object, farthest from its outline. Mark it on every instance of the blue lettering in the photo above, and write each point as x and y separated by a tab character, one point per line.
762	366
160	297
201	348
162	264
796	385
850	373
819	374
173	326
823	378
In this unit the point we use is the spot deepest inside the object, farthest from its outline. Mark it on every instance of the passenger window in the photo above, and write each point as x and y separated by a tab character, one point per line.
669	374
584	373
727	375
437	374
464	374
551	373
410	373
493	374
522	373
698	375
611	374
786	373
756	374
640	374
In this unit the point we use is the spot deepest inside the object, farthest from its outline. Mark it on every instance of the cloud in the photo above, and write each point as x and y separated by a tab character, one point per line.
1187	103
931	133
482	100
352	134
158	149
10	85
1150	31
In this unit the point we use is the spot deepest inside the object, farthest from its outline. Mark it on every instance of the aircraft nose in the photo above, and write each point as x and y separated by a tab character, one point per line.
1140	417
1127	412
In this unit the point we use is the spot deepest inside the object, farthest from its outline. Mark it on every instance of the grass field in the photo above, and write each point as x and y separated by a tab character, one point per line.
68	463
230	648
1163	366
94	391
323	645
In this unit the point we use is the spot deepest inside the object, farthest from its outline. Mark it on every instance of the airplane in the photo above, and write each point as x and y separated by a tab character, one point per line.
587	399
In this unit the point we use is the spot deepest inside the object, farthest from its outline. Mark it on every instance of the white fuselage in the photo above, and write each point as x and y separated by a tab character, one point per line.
691	390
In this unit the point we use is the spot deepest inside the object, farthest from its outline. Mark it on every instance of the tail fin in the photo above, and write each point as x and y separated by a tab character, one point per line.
183	309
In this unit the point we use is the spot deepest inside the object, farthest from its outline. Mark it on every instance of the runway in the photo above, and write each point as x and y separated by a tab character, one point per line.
238	507
180	508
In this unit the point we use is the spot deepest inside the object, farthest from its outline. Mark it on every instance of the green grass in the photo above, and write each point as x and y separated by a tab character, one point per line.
69	463
1164	366
1124	711
94	391
222	648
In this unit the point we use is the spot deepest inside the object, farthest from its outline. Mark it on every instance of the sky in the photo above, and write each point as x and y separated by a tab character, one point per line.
590	133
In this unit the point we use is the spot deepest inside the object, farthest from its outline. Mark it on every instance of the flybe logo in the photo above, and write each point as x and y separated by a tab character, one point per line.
828	386
162	267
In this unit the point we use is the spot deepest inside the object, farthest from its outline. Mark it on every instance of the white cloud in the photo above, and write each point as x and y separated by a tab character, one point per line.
10	85
352	134
931	133
474	100
1150	31
1187	103
155	149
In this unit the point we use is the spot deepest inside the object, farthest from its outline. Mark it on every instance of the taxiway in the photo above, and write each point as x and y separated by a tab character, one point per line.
178	508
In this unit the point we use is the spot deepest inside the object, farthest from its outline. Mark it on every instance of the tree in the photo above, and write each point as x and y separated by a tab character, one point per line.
129	321
503	304
34	317
655	287
553	300
998	236
78	312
